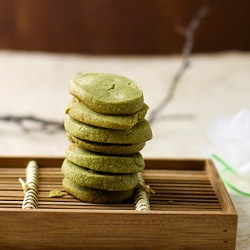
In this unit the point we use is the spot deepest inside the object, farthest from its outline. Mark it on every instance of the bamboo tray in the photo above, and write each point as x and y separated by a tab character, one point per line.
191	209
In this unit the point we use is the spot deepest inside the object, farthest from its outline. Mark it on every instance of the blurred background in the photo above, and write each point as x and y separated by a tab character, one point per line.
121	27
44	44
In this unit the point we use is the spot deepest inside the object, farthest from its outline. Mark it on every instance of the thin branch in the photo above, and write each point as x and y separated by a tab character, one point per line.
186	53
189	42
46	125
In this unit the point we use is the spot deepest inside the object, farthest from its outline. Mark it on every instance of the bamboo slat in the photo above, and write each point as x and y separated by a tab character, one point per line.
190	209
170	185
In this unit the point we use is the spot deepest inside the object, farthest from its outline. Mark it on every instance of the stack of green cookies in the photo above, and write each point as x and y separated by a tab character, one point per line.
105	122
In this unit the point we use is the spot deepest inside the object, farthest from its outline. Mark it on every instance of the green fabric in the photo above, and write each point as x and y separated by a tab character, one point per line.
231	179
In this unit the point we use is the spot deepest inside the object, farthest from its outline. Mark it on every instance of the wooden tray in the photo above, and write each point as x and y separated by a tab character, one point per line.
191	209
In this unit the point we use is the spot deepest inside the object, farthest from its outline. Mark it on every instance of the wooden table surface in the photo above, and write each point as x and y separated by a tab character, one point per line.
215	85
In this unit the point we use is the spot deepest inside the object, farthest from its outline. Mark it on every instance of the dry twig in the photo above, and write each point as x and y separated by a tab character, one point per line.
186	53
35	123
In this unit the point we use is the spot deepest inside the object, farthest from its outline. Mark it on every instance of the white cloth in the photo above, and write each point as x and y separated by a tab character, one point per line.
231	137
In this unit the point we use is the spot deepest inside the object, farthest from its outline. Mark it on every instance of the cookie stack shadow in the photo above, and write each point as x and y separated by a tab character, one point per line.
105	123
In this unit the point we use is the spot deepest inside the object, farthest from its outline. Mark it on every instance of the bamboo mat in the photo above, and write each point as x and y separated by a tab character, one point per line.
175	190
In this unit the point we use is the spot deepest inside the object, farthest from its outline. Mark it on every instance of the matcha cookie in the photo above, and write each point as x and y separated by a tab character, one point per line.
96	195
107	148
81	112
141	132
108	93
98	180
106	163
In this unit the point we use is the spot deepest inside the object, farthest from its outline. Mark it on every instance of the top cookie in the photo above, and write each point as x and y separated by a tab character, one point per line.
108	93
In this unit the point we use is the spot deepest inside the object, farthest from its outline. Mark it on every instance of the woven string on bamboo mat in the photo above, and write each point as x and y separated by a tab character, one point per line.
31	186
142	195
